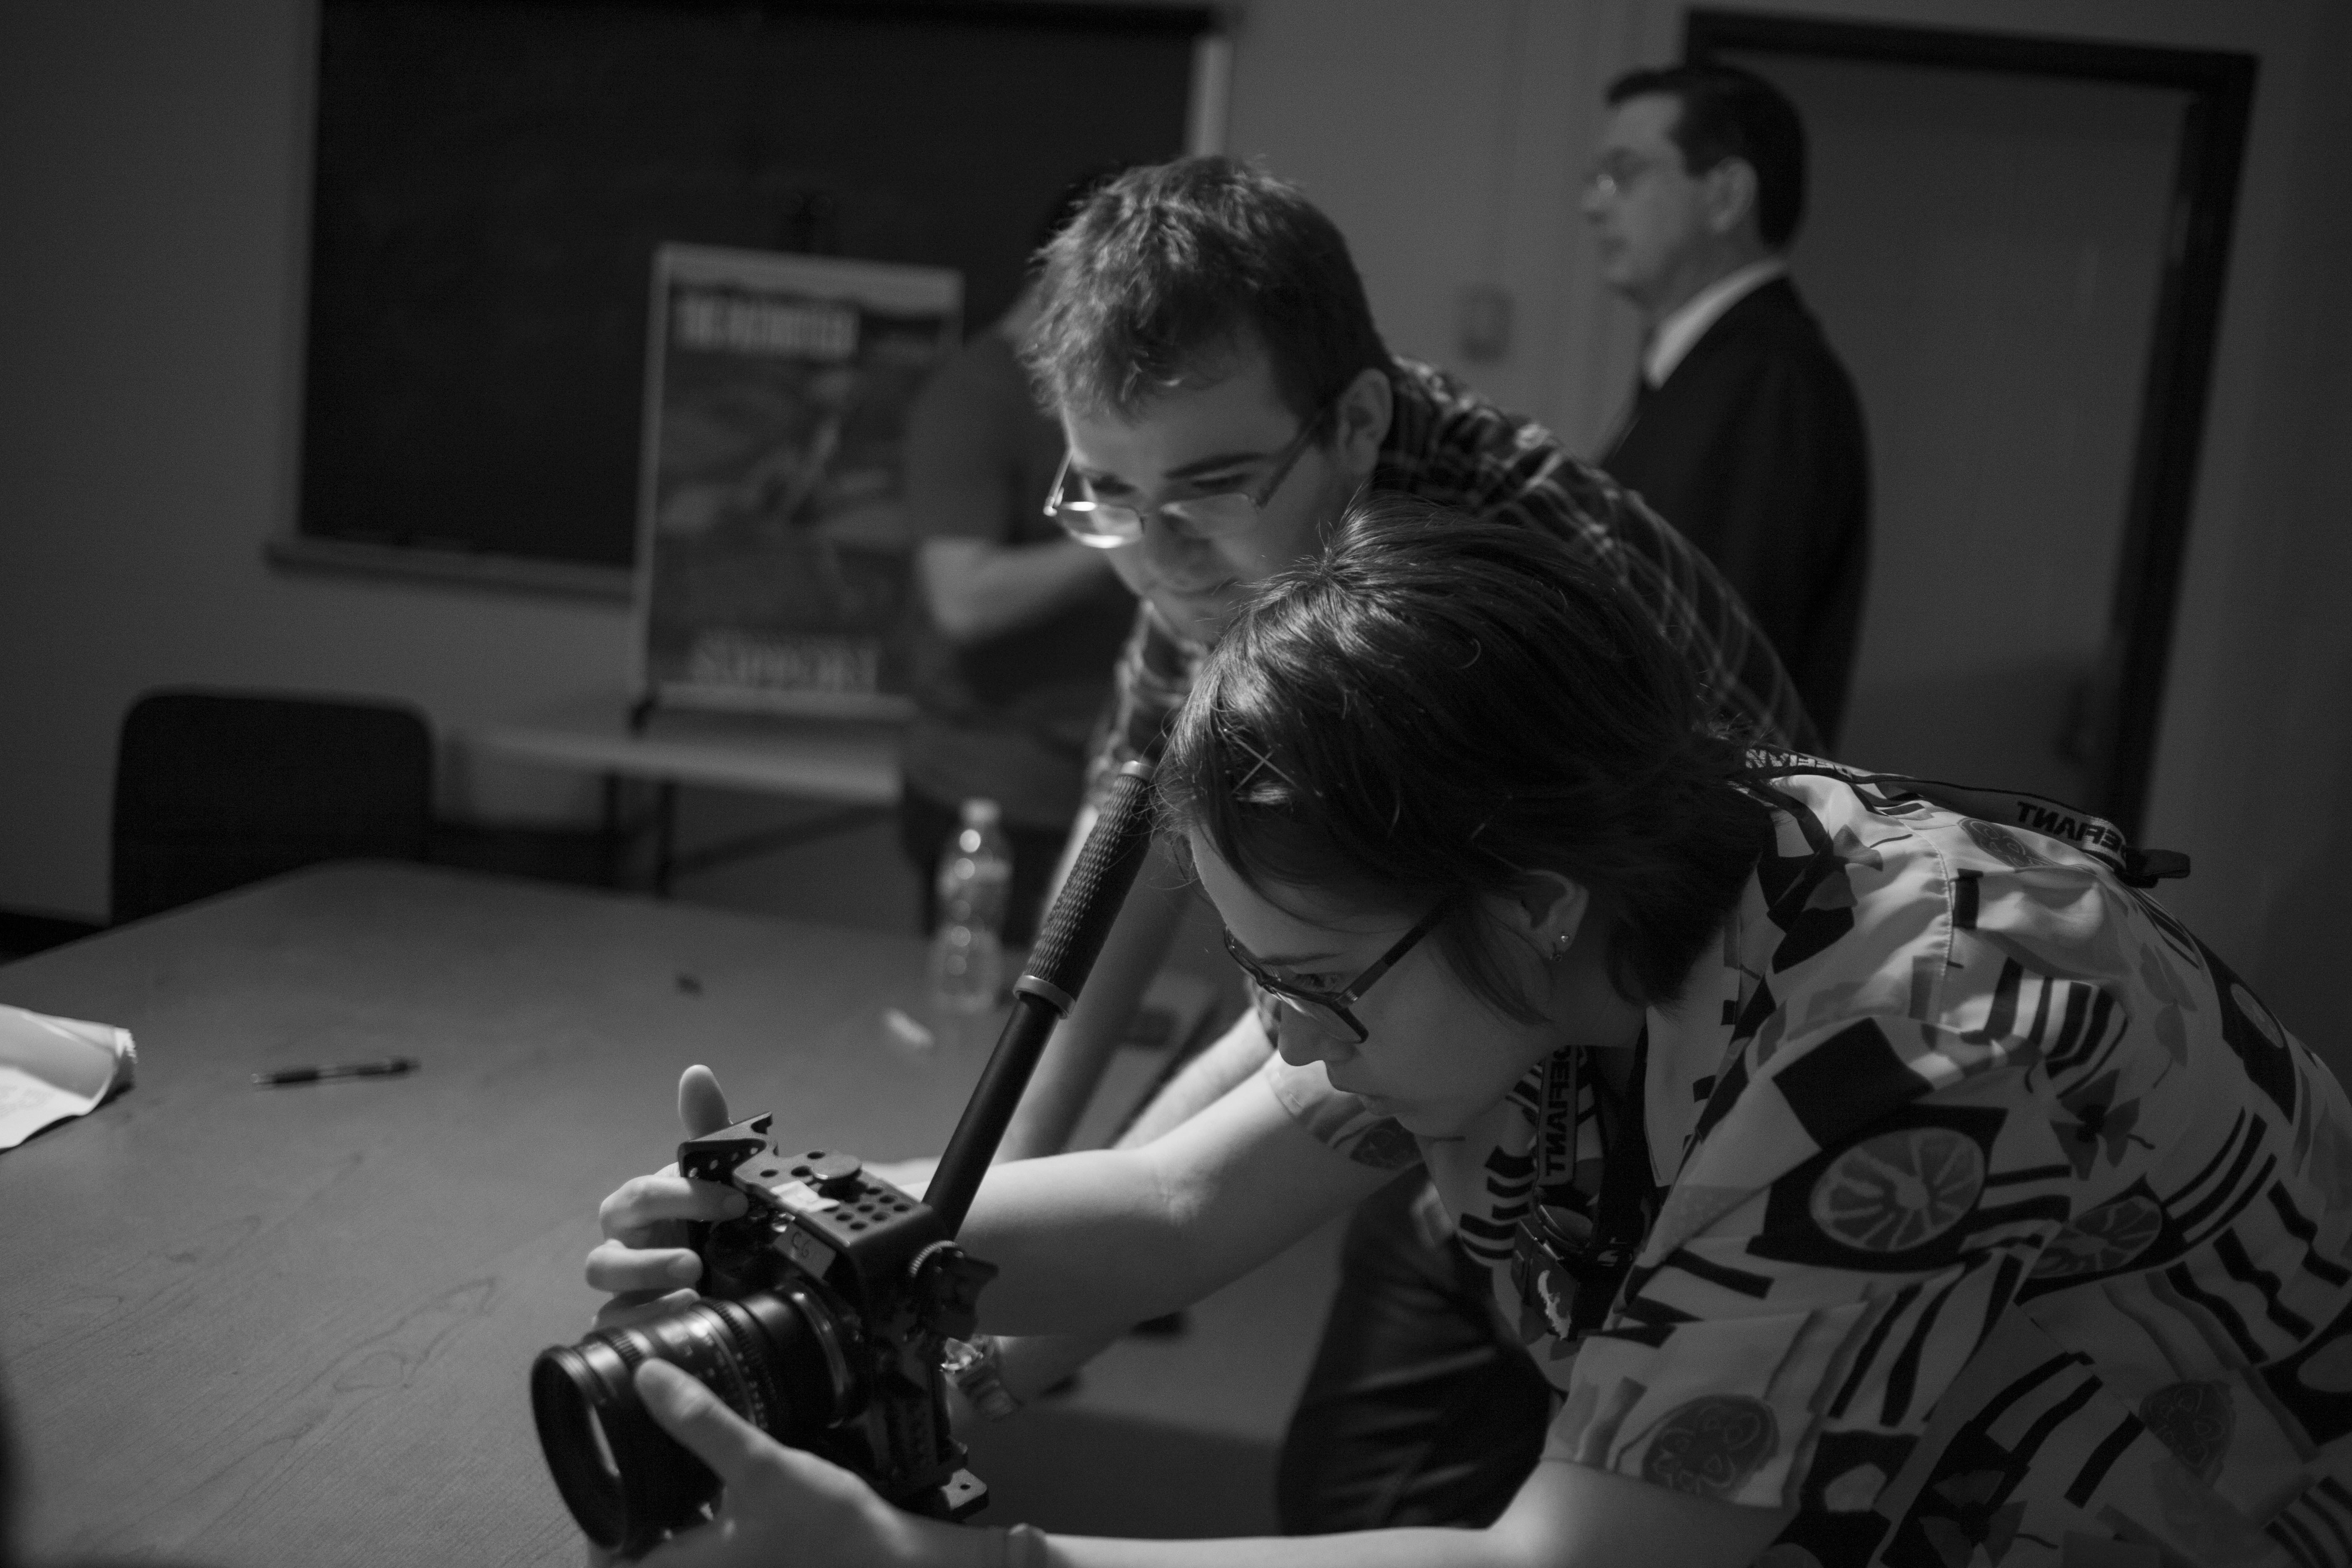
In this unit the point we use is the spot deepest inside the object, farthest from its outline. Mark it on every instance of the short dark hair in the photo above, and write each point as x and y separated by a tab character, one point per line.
1728	112
1434	706
1068	203
1171	264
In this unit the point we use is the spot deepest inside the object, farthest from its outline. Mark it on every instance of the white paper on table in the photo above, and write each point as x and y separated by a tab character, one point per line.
51	1068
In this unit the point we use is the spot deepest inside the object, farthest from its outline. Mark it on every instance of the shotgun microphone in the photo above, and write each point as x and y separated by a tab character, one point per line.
1059	965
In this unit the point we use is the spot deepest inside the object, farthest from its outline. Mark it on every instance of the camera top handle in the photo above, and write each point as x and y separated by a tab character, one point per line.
1041	997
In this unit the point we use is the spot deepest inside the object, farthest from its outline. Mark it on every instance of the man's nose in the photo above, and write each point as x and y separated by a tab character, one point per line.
1170	553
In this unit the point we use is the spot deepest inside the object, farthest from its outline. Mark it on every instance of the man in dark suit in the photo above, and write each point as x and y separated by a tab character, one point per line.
1745	432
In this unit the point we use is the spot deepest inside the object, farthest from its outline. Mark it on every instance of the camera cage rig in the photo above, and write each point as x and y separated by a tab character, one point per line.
880	1287
878	1275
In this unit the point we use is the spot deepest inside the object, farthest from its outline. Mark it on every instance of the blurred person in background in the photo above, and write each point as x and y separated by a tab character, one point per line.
1021	623
1745	432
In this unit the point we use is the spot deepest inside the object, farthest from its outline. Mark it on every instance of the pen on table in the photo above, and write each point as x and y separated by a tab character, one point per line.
390	1067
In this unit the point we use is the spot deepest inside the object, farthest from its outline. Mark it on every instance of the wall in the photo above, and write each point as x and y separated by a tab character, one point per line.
152	169
151	299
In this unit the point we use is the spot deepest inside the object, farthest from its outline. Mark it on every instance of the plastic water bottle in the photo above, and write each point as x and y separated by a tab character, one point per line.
968	950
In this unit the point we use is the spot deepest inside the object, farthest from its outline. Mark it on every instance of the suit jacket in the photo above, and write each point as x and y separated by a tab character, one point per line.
1754	450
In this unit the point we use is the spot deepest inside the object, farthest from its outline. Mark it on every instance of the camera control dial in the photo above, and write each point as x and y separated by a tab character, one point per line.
835	1176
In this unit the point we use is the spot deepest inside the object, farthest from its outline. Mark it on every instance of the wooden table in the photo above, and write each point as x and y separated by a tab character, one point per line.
852	764
248	1326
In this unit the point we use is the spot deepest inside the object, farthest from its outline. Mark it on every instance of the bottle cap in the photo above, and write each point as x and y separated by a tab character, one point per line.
980	813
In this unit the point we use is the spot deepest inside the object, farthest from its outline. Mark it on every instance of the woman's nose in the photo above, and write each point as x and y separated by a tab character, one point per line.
1303	1042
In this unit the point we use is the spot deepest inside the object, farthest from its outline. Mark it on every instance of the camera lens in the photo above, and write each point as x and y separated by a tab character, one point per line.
774	1358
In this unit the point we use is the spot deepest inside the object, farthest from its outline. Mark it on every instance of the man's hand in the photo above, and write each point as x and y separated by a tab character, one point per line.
977	589
779	1505
643	1259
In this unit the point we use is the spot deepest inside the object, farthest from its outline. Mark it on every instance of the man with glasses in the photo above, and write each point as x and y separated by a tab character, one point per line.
1204	337
1011	661
1744	431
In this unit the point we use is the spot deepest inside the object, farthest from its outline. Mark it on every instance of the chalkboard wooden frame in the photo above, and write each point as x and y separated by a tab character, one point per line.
386	466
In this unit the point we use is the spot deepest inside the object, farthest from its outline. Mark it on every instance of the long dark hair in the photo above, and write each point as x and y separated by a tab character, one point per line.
1434	708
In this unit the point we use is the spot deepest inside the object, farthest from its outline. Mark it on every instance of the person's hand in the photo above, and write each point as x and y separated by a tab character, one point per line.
781	1505
644	1259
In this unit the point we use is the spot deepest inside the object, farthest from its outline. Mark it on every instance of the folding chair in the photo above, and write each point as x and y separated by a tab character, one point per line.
216	789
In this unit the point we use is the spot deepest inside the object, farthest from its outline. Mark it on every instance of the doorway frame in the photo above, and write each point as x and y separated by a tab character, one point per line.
2127	692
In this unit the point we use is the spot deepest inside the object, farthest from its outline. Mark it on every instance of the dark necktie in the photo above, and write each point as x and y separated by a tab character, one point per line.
1642	394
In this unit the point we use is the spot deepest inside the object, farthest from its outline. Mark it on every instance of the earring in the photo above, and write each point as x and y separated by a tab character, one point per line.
1560	948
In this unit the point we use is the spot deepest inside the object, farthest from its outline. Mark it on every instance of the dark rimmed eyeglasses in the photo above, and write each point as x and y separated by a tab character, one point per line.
1329	1008
1107	525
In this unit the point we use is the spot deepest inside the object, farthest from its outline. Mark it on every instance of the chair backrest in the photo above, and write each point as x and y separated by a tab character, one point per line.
214	790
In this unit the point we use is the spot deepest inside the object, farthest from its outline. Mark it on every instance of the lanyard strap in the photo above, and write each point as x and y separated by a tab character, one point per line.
1620	1215
2094	835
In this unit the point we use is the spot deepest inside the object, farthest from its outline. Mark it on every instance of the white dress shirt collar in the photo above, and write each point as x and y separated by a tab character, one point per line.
1689	322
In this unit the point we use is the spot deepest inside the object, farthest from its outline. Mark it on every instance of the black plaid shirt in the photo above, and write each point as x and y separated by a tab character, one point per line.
1448	446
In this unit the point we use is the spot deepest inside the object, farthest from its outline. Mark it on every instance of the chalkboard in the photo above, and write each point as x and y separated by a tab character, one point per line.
492	178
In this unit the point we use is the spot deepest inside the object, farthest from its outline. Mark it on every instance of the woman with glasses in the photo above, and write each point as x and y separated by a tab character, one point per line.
1876	1182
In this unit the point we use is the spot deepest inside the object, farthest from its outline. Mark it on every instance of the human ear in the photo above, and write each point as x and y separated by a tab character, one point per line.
1360	420
1730	194
1547	911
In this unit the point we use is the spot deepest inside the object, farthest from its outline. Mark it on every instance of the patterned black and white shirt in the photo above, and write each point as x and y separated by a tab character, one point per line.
1450	446
2002	1223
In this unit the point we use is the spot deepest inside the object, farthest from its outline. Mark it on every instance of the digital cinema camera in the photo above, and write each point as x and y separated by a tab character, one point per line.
825	1308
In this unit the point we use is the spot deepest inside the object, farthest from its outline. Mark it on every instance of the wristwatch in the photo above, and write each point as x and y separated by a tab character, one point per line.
973	1366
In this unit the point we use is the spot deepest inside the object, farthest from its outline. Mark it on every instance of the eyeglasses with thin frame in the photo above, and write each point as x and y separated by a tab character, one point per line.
1329	1008
1615	175
1107	525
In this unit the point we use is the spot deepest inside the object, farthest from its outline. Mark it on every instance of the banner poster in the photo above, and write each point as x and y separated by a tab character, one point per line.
773	559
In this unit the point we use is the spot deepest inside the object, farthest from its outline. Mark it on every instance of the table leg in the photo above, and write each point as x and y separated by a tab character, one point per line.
613	837
664	834
768	840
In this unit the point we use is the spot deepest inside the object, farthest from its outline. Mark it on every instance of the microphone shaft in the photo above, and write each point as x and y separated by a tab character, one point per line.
1059	965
